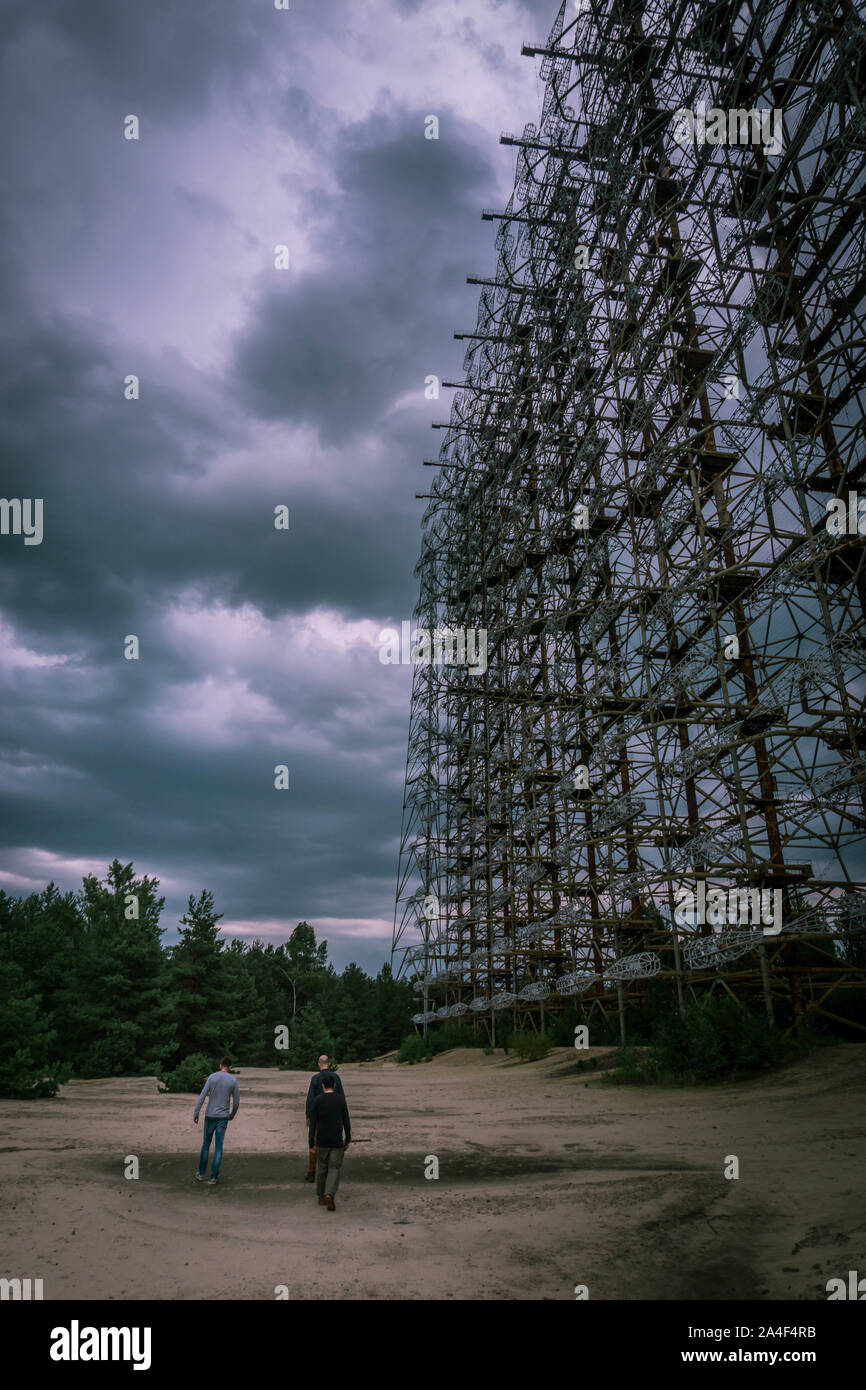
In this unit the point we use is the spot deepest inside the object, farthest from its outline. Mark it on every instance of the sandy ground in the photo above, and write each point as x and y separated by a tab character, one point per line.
547	1180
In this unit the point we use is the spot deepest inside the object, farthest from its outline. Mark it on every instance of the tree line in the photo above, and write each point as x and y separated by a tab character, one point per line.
88	989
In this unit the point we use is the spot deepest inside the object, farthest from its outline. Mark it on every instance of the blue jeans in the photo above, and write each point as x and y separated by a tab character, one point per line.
211	1128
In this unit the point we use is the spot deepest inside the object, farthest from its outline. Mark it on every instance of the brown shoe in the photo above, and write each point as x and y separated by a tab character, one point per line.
329	1202
323	1202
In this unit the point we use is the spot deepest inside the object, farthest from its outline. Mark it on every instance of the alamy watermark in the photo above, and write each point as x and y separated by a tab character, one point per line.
846	517
854	1289
437	646
720	907
77	1343
22	516
19	1290
760	125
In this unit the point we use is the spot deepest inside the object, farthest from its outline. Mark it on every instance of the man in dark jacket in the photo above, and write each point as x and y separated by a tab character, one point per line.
329	1121
315	1089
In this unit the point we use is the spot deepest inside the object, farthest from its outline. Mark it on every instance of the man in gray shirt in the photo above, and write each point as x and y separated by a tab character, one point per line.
222	1088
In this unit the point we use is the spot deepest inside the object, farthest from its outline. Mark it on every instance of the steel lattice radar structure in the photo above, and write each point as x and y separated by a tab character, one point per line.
647	499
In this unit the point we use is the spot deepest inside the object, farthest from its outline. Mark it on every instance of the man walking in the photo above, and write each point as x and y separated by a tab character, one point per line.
329	1119
315	1089
222	1088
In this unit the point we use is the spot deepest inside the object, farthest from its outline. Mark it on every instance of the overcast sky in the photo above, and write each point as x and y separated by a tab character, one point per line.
258	387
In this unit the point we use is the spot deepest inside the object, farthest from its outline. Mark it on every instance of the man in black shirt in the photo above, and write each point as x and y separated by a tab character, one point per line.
315	1089
329	1119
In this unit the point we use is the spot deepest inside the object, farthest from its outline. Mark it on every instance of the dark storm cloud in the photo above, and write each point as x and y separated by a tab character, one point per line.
303	118
121	535
159	512
493	53
93	763
163	52
201	813
205	208
334	347
543	12
131	522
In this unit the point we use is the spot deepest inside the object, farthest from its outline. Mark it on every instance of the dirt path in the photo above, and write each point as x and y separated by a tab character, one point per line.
547	1180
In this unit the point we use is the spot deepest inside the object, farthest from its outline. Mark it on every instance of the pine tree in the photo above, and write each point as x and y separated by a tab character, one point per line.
121	1016
303	953
274	1000
308	1039
29	1065
250	1035
394	1009
354	1018
204	991
302	965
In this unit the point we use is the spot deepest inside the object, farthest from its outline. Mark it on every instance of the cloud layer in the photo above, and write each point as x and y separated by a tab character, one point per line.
258	387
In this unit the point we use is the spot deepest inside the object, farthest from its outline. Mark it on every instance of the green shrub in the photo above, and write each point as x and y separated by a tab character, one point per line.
707	1041
531	1046
717	1037
447	1035
629	1070
413	1049
188	1076
560	1028
24	1084
29	1069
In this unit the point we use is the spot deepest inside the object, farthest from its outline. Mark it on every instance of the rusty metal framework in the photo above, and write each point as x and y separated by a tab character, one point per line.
663	396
